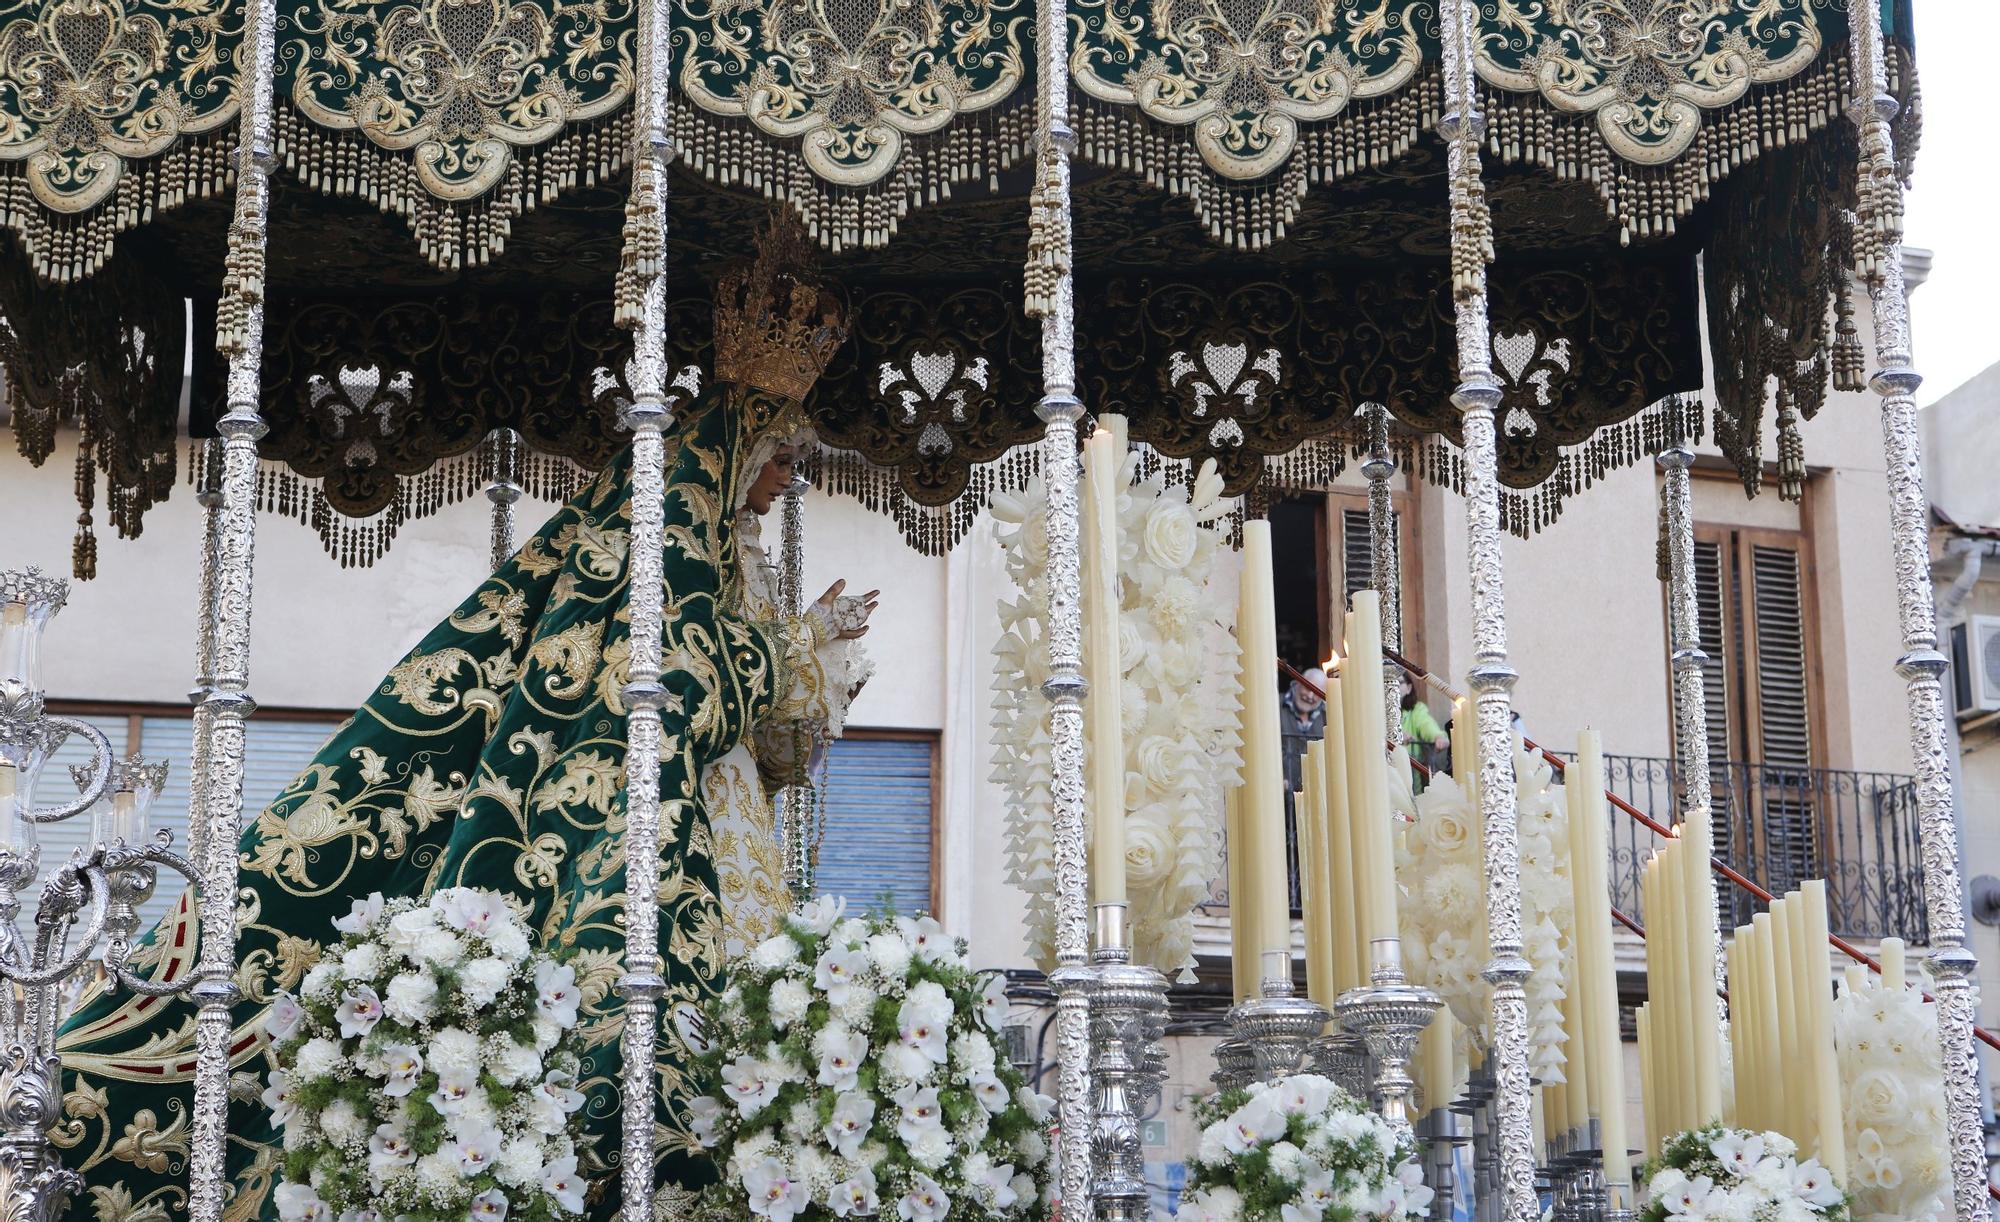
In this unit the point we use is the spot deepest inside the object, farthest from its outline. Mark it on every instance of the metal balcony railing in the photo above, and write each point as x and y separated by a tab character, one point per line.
1777	826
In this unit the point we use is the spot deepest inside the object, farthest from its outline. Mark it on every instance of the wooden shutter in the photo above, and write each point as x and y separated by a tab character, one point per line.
878	839
1753	595
1357	566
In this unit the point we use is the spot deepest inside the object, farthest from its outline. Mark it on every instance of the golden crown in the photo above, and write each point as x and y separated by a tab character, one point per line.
776	324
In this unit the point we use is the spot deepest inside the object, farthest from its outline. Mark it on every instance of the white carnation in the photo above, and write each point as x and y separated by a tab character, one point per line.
890	954
363	962
508	942
440	947
318	1057
790	999
774	954
411	998
343	1124
520	1162
454	1051
320	982
482	981
514	1063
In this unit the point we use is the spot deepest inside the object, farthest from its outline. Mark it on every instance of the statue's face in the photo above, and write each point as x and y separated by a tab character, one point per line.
772	481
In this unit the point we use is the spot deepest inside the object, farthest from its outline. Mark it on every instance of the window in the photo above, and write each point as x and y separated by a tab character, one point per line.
881	820
277	747
1323	547
1753	592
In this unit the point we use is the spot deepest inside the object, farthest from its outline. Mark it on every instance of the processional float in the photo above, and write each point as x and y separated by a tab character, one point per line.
1456	238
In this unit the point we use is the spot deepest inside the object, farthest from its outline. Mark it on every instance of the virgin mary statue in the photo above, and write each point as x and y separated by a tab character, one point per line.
493	756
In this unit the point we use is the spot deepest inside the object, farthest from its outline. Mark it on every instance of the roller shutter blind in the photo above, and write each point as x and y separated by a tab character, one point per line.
275	751
877	841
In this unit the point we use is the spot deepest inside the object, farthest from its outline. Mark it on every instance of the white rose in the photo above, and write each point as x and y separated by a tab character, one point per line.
790	999
412	998
1149	852
483	980
317	1058
1168	538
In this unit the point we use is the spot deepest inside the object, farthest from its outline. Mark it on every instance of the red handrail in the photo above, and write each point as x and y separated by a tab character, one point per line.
1659	829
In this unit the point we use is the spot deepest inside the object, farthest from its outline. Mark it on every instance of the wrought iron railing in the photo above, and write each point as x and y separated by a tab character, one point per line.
1778	826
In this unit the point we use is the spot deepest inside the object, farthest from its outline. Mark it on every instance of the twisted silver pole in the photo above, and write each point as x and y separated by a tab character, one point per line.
1050	297
208	494
1385	558
1690	688
240	339
1921	665
503	488
1491	679
641	983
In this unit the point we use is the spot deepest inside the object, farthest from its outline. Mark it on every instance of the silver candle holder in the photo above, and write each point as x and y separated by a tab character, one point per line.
1127	1018
1389	1013
1343	1057
1279	1027
1235	1065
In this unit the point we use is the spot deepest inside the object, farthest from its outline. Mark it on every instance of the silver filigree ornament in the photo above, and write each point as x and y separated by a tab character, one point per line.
93	896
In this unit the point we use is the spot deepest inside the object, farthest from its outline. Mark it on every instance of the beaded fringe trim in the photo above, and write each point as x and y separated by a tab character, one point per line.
360	542
930	530
1253	214
1522	128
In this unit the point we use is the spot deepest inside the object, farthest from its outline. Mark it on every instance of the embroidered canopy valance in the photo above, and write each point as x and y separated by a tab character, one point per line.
1260	226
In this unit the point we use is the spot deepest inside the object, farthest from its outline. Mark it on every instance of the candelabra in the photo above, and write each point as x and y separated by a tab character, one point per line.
1343	1057
1389	1013
1128	1006
1279	1028
94	896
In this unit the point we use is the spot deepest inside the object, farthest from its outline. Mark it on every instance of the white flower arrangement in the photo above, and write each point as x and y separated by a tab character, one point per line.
1442	903
859	1077
1180	696
424	1070
1718	1174
1299	1149
1892	1090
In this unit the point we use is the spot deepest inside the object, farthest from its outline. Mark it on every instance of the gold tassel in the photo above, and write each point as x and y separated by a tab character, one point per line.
1791	450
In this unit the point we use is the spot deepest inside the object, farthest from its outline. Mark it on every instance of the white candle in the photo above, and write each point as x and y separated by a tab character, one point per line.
1368	731
1101	669
1892	963
1699	895
1349	954
1314	881
1263	760
1597	965
1825	1065
1242	943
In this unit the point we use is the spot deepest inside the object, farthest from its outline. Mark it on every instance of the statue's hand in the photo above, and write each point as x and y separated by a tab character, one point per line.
846	618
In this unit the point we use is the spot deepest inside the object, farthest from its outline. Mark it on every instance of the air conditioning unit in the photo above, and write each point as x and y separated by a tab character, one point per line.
1975	663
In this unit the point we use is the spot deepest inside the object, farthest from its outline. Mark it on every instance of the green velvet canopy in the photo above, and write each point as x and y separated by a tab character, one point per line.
1259	220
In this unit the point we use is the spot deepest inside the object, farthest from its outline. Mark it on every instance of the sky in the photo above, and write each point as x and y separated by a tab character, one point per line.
1953	209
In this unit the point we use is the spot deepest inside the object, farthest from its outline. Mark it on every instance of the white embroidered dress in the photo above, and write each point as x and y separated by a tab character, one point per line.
825	673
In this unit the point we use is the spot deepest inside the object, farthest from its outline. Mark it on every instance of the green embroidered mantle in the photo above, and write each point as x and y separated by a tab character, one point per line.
491	756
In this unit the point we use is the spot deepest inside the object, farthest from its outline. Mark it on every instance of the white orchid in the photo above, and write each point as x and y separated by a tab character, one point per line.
561	1181
836	972
359	1010
840	1055
773	1193
924	1202
283	1017
853	1117
556	995
749	1084
277	1097
855	1196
